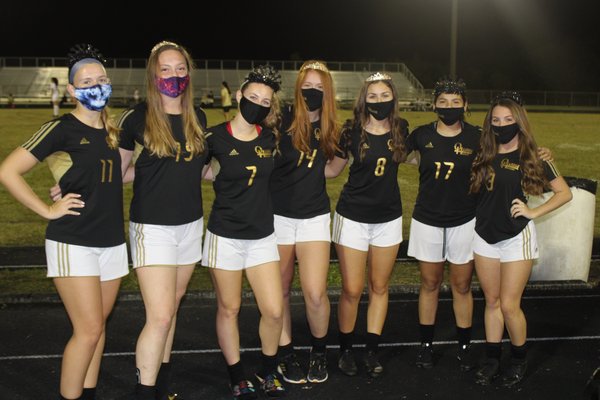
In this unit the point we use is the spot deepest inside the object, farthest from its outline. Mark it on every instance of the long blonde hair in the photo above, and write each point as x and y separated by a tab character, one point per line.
158	134
301	127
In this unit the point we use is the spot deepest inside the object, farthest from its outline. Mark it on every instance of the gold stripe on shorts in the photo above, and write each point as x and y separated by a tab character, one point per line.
212	251
139	244
64	266
526	236
337	228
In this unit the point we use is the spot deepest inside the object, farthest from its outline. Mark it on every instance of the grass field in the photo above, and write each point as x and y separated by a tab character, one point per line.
573	139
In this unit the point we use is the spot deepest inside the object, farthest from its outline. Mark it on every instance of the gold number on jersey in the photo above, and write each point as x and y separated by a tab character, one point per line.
310	157
380	167
253	169
178	155
438	167
106	175
489	182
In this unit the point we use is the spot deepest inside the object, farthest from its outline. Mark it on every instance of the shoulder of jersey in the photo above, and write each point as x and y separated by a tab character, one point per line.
201	116
215	130
423	128
474	128
137	112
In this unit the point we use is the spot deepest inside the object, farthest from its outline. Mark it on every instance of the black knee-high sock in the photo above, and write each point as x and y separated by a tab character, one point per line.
285	350
319	345
346	340
143	392
426	333
236	373
373	342
88	394
163	381
519	353
464	336
493	350
268	364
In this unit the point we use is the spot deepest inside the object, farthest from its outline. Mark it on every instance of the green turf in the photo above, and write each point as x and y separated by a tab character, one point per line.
572	138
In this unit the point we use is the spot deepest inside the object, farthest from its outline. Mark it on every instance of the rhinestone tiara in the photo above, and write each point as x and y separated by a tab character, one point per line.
378	76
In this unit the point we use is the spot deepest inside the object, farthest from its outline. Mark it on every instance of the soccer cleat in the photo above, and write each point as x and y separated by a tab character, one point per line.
515	373
488	372
289	368
347	363
271	385
592	386
372	364
244	390
317	367
466	357
425	356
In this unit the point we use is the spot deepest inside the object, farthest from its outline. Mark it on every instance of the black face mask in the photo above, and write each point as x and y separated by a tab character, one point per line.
450	116
382	110
506	133
313	98
253	113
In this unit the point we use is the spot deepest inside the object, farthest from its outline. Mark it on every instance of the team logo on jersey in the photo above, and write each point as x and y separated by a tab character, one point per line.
261	153
429	145
84	141
506	164
318	133
234	153
390	144
462	151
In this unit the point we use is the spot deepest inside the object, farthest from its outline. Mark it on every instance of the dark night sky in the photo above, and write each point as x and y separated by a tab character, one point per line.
520	44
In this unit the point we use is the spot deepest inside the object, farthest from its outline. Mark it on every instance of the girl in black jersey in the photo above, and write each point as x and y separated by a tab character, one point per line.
85	242
240	235
166	135
367	227
302	212
444	216
505	171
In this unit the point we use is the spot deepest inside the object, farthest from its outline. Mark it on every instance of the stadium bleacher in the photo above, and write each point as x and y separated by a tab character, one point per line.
30	85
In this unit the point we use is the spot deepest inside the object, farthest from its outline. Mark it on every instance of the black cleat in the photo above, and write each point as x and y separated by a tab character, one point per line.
347	363
515	373
592	387
271	385
466	358
425	356
317	367
488	372
372	365
244	390
289	368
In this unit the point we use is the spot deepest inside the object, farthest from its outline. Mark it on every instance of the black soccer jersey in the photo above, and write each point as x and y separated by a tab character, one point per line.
444	172
494	222
167	190
242	207
371	194
298	181
81	162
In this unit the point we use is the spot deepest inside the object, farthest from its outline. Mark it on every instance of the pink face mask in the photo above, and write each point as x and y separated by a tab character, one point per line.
173	86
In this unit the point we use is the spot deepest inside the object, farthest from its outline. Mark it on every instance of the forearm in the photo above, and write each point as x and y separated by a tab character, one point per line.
554	202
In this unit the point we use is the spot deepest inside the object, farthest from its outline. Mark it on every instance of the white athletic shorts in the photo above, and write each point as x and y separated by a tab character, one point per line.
238	254
71	260
434	244
166	244
522	246
360	236
293	230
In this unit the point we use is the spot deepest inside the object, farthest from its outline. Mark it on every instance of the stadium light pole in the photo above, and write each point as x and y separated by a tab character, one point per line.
453	38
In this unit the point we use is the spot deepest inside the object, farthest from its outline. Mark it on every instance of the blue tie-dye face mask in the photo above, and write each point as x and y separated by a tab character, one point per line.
94	97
